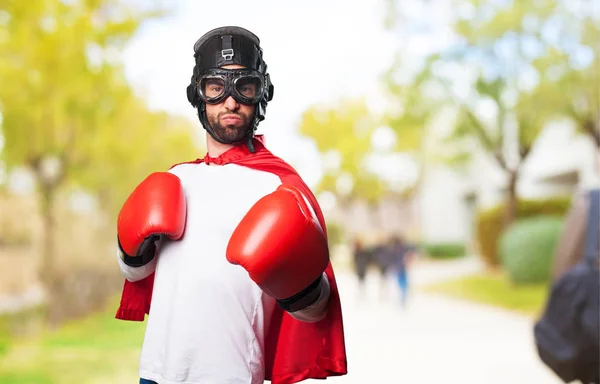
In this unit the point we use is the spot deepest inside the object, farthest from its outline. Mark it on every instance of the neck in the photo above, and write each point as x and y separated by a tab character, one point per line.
216	149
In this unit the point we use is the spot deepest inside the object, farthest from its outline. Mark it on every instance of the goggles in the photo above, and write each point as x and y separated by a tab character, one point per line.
246	86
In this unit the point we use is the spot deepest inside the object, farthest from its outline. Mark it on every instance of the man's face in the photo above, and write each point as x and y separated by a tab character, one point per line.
229	119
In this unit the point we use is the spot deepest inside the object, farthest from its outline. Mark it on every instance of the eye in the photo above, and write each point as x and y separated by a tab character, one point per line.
248	87
212	87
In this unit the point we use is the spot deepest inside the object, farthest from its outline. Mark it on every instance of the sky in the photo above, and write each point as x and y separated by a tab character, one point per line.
316	51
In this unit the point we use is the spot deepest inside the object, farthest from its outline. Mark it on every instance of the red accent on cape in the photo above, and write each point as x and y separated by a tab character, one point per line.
294	350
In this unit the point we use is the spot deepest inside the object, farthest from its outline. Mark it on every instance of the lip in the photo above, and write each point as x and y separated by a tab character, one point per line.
231	118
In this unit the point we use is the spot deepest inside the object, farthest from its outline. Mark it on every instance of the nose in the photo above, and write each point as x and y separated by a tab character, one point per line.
231	104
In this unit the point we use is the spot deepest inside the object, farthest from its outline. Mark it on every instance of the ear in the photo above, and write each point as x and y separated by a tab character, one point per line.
192	95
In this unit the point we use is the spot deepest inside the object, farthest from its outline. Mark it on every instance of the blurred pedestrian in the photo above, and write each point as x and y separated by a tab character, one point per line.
361	262
402	255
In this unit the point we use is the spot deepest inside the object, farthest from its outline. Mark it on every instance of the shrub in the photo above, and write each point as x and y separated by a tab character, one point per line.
444	250
490	223
527	248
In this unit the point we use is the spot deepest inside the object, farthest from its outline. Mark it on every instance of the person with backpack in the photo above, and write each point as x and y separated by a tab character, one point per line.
567	335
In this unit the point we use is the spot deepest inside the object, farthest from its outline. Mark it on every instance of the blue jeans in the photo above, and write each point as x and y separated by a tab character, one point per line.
402	279
144	381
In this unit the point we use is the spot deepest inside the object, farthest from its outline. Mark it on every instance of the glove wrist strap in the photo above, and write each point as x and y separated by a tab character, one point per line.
303	298
145	254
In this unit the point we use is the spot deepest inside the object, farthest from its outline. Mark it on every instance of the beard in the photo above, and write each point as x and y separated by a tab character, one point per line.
230	133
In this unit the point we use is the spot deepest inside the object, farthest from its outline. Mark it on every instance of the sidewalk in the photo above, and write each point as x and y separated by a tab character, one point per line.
436	339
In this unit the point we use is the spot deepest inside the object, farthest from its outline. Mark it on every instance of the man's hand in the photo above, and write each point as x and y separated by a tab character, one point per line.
283	247
156	207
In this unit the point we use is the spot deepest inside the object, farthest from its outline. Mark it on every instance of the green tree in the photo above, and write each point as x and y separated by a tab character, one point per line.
491	134
69	115
342	133
132	143
411	112
556	42
534	61
571	87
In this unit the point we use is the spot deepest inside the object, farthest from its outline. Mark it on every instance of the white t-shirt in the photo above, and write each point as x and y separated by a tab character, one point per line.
208	319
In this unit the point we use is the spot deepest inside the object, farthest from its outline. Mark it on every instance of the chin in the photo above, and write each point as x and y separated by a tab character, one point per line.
233	135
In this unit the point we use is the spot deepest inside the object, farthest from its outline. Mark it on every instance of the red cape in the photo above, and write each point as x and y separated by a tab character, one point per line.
294	350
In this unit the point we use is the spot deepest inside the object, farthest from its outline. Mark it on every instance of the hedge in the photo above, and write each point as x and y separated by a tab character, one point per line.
490	223
527	248
444	250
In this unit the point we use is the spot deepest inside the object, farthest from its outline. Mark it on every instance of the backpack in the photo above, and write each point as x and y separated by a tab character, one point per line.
567	334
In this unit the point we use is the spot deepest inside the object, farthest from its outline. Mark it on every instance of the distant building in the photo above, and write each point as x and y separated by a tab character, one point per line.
561	162
444	208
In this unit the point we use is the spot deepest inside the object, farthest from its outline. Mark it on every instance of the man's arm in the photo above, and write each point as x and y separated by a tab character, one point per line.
281	244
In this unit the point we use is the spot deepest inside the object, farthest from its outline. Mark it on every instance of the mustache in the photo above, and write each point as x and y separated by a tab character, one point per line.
221	114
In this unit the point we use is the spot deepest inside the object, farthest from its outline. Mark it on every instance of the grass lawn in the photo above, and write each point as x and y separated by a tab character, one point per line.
494	288
95	350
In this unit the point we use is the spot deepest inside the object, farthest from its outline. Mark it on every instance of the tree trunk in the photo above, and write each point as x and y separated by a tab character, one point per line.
46	270
512	200
593	130
49	176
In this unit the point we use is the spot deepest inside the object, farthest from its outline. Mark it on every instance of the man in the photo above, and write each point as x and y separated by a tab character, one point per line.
361	262
402	255
566	334
228	254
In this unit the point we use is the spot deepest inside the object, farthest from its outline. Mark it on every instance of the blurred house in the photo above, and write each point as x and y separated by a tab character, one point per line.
560	163
444	208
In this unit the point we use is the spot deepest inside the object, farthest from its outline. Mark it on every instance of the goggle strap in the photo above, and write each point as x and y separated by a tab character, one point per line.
226	42
227	47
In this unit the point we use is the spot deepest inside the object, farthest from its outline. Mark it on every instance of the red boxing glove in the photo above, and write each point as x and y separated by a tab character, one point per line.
156	207
282	246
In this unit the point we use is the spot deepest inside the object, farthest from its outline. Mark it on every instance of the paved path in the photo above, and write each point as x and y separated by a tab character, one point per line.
436	339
